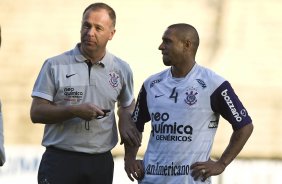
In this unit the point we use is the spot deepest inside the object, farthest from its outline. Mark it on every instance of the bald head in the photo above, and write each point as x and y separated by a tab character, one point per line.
186	32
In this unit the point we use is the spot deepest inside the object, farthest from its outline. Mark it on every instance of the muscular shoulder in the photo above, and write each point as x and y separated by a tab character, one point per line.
120	63
206	76
63	58
118	66
156	78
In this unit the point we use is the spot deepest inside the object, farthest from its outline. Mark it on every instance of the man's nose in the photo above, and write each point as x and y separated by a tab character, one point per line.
161	47
91	31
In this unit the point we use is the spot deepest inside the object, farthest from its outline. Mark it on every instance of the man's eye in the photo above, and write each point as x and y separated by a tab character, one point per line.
99	28
166	41
85	26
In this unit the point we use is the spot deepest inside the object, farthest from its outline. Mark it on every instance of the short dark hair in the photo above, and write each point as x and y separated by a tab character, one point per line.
187	31
97	6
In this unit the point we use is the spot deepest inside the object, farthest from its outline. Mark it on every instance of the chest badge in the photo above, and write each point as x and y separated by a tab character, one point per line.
191	96
114	79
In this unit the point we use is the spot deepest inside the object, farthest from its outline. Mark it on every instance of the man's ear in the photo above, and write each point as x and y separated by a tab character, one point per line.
188	44
112	34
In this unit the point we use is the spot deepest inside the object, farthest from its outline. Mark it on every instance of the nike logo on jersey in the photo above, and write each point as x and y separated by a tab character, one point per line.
68	76
157	96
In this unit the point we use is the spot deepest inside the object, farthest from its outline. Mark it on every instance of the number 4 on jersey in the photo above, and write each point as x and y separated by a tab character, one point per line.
174	94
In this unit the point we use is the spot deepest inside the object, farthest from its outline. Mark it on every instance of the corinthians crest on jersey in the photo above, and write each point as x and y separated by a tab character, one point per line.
191	96
114	79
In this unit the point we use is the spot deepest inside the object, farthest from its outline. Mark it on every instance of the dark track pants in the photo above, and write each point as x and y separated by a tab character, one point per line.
66	167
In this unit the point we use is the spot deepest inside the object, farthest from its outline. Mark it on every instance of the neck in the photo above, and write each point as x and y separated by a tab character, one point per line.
94	57
182	71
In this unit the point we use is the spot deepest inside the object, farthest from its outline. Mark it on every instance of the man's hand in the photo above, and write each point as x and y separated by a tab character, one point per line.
203	170
87	111
134	168
130	134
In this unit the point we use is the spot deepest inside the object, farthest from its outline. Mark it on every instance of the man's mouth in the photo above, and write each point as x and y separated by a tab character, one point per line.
89	42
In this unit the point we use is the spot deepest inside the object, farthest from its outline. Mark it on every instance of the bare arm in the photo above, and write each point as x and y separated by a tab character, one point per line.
131	138
236	144
128	131
134	168
44	111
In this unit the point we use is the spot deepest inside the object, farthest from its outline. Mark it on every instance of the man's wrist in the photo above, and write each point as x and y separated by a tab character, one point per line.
222	163
129	157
